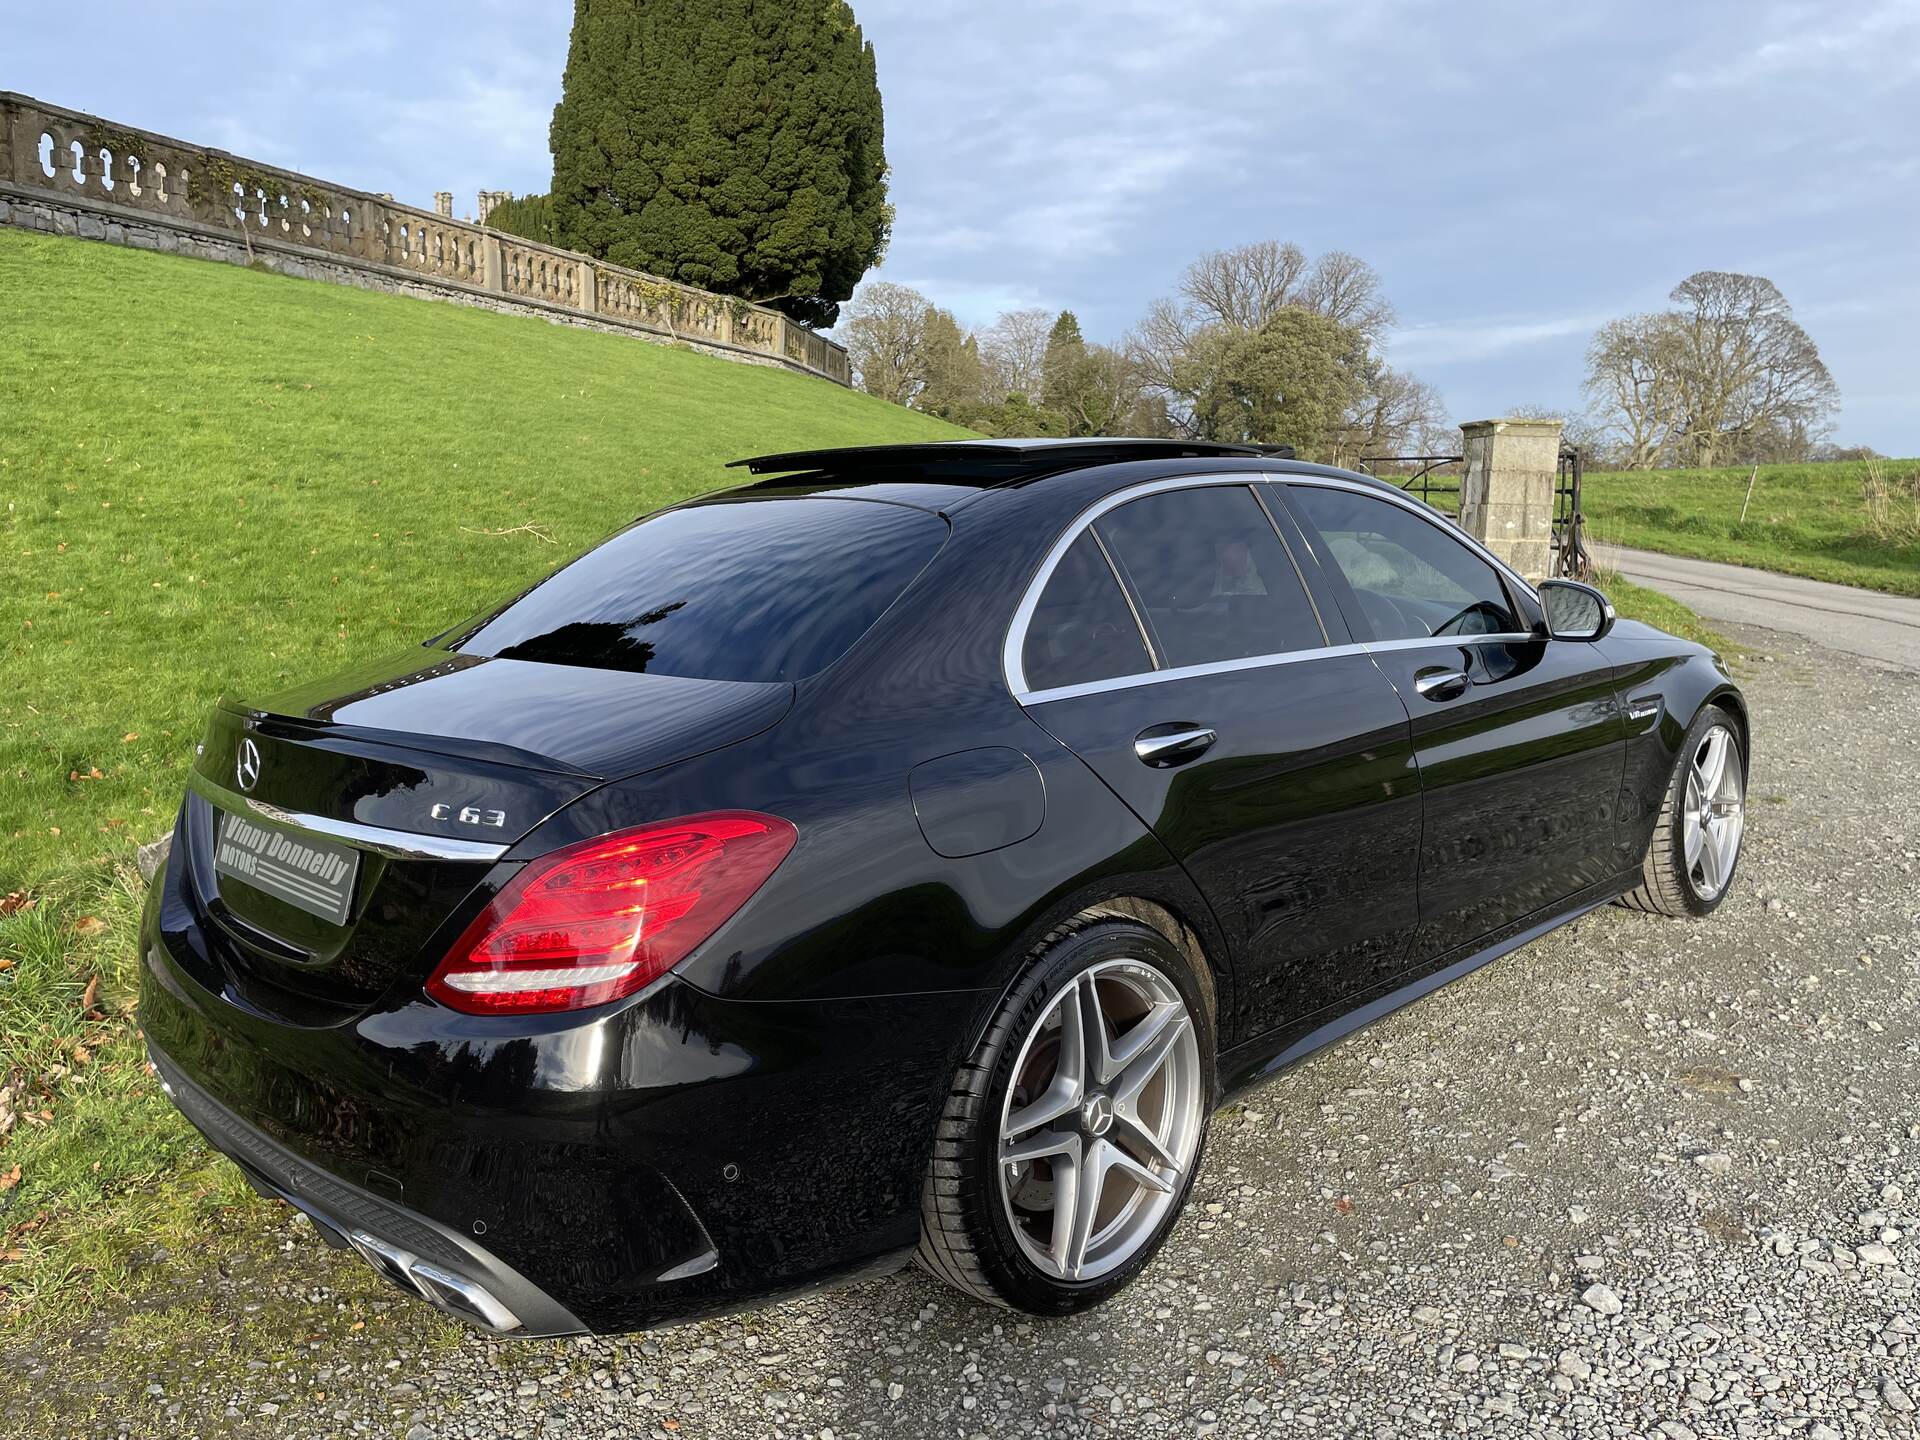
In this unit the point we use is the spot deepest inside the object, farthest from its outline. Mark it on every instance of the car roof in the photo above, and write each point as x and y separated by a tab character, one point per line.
944	475
990	462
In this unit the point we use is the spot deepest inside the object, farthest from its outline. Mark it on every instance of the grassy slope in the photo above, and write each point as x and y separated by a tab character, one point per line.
1805	520
215	479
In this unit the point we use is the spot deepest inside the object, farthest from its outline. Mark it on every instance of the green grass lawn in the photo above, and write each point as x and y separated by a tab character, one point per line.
221	480
1807	520
216	479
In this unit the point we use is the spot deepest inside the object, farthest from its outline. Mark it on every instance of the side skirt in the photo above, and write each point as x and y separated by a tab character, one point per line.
1263	1057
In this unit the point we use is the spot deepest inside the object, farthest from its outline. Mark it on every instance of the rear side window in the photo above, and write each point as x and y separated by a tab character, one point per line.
747	590
1082	629
1410	577
1211	574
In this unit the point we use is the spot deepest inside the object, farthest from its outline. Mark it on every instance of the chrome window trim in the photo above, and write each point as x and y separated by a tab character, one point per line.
1147	642
1266	509
395	844
1185	672
1421	642
1016	637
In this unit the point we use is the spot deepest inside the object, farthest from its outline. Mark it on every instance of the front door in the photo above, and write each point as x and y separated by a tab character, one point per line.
1520	739
1176	650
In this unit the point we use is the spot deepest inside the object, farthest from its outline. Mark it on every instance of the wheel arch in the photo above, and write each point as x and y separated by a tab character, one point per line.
1184	923
1176	932
1729	699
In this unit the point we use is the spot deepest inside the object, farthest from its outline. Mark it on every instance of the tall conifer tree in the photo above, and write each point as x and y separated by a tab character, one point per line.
731	144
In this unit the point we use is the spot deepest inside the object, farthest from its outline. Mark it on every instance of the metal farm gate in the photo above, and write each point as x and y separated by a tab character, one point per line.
1570	558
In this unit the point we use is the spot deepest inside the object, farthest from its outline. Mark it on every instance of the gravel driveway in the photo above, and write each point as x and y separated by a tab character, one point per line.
1643	1178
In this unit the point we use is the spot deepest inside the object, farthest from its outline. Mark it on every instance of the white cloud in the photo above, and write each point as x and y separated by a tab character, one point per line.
1881	40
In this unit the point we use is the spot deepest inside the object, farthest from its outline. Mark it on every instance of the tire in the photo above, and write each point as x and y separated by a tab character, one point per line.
989	1227
1671	883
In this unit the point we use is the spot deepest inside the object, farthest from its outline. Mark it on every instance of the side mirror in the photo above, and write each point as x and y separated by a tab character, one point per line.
1575	611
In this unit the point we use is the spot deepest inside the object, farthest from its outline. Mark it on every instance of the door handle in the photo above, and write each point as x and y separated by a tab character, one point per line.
1440	684
1162	746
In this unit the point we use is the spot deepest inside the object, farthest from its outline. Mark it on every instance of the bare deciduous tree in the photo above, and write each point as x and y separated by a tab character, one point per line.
1164	334
1631	365
1751	381
1727	377
884	327
1396	414
1012	349
1240	288
1346	290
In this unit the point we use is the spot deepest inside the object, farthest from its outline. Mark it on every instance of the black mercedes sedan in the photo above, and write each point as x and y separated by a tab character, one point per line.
897	856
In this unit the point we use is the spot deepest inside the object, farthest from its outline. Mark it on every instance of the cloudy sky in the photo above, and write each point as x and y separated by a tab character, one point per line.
1518	173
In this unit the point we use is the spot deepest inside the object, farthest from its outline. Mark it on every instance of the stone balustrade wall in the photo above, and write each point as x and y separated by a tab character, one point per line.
69	173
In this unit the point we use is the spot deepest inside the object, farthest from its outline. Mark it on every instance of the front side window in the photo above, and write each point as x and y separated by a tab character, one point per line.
1410	577
1210	575
764	590
1082	629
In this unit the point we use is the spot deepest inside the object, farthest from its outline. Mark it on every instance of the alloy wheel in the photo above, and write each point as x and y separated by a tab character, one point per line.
1715	812
1102	1120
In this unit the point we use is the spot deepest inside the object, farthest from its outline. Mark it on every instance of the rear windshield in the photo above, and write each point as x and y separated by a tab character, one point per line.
749	590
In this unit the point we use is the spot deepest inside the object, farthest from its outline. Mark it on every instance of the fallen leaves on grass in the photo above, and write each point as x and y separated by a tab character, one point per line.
90	1000
15	901
10	1179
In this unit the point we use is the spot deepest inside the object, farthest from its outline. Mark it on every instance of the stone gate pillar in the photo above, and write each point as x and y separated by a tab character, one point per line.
1506	492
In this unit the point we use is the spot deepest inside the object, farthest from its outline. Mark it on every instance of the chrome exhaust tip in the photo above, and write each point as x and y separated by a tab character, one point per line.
456	1295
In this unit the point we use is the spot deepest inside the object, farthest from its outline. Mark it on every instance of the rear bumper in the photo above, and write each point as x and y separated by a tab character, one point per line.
420	1255
663	1158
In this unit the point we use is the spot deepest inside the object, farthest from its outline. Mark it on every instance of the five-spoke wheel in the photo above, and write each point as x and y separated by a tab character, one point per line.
1696	839
1102	1120
1073	1131
1716	794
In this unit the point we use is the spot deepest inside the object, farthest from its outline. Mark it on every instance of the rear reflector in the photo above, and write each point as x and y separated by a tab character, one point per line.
603	918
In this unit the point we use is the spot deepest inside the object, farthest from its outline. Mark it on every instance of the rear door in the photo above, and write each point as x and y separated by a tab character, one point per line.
1520	739
1172	645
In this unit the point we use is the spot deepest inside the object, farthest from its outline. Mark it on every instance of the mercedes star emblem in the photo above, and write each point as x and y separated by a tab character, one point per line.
246	769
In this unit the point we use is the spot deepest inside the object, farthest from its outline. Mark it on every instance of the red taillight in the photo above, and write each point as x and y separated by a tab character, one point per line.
599	920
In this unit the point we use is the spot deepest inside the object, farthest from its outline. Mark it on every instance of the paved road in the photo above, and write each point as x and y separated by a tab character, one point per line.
1860	622
1642	1178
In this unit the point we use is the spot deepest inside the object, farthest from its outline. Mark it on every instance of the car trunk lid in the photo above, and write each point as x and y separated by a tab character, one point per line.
335	831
